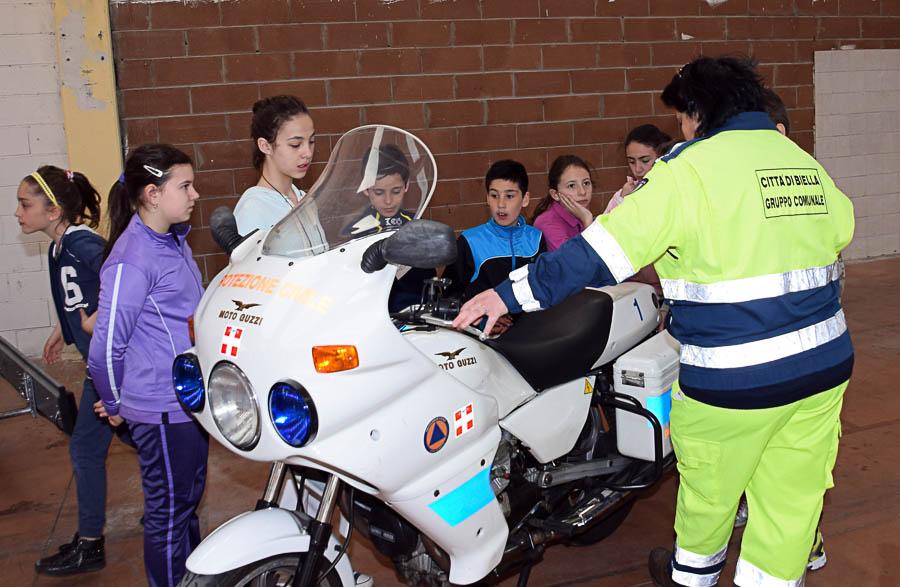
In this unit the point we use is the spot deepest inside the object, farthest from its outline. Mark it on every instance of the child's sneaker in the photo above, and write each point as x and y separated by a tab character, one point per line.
817	558
741	518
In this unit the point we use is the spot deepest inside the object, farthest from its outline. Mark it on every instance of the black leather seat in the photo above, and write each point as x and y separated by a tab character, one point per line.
558	344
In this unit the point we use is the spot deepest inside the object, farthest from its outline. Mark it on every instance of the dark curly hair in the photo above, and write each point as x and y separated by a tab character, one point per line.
715	89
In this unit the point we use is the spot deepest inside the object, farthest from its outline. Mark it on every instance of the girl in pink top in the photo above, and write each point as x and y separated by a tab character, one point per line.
564	212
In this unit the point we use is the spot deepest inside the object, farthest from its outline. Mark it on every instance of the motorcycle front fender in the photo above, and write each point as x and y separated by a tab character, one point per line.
254	536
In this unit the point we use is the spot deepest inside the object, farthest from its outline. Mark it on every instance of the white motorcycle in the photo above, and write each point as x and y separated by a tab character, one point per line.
459	456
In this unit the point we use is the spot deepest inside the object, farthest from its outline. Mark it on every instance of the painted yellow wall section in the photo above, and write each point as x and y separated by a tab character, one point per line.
88	90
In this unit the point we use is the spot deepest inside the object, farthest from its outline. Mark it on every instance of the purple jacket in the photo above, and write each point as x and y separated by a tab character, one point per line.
149	286
558	225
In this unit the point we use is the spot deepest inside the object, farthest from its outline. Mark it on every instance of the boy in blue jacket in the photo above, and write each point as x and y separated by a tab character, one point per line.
487	253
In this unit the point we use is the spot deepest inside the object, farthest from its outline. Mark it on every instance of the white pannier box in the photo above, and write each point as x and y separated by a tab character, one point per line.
646	373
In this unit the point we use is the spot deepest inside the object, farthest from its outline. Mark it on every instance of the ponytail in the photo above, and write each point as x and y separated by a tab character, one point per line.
147	165
559	166
77	199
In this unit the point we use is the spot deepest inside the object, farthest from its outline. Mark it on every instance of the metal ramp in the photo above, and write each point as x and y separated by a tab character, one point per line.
42	394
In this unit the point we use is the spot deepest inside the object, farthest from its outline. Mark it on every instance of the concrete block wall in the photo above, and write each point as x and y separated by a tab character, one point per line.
858	141
31	134
478	80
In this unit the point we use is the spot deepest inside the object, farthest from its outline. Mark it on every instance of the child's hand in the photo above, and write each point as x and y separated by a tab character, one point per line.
87	322
100	410
629	186
54	345
577	210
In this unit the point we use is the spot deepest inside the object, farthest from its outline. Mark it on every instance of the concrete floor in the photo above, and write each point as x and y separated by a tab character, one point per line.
861	520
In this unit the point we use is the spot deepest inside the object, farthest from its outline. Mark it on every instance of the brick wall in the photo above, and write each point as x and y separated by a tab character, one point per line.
31	134
477	80
858	141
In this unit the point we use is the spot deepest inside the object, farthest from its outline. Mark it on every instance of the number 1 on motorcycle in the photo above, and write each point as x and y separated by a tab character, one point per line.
640	315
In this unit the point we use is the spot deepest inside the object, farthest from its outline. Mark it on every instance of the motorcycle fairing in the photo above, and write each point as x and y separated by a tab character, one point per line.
545	424
473	364
473	535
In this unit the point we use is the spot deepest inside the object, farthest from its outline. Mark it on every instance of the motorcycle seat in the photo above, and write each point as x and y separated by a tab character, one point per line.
559	344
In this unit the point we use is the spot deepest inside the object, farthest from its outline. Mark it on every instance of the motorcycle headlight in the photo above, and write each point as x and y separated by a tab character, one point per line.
188	382
293	413
234	407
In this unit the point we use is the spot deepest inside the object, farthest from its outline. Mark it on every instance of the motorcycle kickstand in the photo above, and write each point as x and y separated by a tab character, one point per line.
319	533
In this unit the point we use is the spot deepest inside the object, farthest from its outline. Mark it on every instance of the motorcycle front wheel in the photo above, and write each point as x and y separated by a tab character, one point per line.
276	571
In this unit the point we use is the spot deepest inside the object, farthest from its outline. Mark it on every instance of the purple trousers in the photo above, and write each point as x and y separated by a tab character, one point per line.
173	474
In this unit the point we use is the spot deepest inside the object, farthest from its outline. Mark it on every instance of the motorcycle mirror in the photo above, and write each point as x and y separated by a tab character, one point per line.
224	229
424	244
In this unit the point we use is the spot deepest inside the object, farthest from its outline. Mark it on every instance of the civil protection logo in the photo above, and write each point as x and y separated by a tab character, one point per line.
436	434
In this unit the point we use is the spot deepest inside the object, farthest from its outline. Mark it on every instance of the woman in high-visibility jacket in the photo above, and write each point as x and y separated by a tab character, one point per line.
744	229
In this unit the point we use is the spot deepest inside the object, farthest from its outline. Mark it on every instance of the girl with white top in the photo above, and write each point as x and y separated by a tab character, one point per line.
284	141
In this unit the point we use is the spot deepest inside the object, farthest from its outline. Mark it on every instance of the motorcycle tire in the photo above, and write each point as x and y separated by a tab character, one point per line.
273	571
604	528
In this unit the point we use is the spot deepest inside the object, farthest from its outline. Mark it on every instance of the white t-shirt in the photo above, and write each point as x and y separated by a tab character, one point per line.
262	208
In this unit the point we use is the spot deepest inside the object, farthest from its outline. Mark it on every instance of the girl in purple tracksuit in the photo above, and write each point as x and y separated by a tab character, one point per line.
149	286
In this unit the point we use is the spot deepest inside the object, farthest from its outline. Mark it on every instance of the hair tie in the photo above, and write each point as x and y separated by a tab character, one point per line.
121	179
153	171
37	177
70	175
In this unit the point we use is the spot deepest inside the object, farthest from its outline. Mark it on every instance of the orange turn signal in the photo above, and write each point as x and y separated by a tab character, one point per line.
334	358
191	329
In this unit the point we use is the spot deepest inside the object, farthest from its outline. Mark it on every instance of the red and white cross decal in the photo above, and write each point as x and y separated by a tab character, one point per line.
463	420
231	341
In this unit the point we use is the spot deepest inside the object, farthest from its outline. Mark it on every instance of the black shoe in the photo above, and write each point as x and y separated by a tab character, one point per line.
79	556
660	566
69	545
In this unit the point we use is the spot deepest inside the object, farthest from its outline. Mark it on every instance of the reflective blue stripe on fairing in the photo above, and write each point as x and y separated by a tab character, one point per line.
712	325
465	500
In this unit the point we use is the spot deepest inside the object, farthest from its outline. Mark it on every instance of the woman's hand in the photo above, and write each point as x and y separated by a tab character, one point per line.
100	410
87	322
54	346
487	303
583	215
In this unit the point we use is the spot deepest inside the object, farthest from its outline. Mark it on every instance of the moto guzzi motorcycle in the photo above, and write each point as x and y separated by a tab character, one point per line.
459	456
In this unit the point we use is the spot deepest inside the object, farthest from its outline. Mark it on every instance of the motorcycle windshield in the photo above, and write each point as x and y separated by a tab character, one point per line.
376	179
